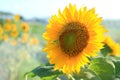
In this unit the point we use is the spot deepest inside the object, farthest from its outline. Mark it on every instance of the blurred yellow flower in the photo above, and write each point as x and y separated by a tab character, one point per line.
25	27
7	27
14	33
17	17
13	42
5	38
1	30
8	20
73	35
13	27
114	47
25	37
34	41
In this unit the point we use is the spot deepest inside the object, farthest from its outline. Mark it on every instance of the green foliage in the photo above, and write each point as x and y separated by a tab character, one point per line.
106	50
45	73
99	69
86	74
117	68
37	30
104	68
1	21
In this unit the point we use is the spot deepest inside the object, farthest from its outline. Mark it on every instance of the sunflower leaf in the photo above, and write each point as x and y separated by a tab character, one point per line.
117	68
45	73
29	74
104	68
86	74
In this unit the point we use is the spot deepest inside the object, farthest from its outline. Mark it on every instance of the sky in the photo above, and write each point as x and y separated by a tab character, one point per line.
108	9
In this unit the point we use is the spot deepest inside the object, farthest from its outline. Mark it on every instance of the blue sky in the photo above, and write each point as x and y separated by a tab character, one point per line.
108	9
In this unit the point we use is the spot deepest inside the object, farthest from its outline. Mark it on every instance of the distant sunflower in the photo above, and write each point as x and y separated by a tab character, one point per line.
8	20
25	27
14	33
25	38
13	27
5	38
34	41
1	30
13	42
114	48
73	36
17	17
7	27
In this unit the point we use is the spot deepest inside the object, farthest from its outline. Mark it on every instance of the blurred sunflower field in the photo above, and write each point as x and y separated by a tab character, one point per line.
73	44
20	44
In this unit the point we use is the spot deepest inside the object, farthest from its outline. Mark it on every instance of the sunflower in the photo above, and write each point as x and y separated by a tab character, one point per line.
17	17
25	38
114	48
72	36
14	33
13	27
1	30
5	38
24	27
7	27
13	42
34	41
8	20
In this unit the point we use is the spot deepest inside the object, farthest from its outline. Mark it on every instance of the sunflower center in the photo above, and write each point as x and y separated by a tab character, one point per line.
23	27
73	38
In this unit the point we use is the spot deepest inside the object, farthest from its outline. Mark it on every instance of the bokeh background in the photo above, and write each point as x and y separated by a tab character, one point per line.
16	60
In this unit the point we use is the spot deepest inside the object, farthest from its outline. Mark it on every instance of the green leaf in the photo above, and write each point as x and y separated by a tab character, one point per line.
106	50
117	68
104	68
86	74
114	58
45	73
30	75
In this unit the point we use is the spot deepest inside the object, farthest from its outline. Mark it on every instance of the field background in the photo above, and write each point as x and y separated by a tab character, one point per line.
16	60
